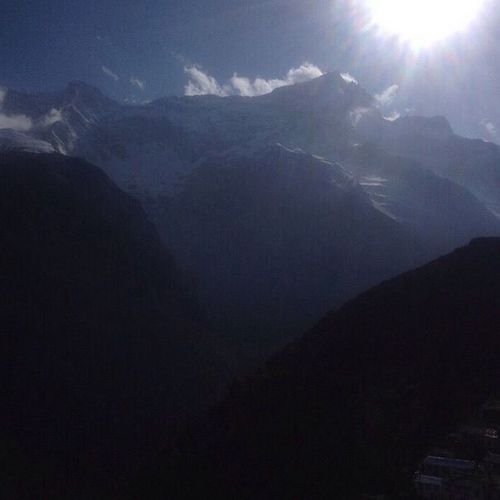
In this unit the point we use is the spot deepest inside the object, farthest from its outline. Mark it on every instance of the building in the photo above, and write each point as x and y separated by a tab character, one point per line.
430	487
449	467
446	478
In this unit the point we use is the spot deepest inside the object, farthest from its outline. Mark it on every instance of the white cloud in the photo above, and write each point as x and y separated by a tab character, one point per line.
53	116
348	78
385	100
140	84
259	86
201	83
21	123
241	85
3	93
303	73
392	116
110	73
358	113
387	96
491	129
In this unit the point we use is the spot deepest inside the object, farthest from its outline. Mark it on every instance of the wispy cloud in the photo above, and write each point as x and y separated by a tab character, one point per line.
140	84
21	123
385	102
110	73
491	130
15	122
348	78
387	96
358	113
200	83
3	93
53	116
392	116
246	87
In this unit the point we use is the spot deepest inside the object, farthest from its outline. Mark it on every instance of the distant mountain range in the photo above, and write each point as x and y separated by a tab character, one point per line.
142	146
279	206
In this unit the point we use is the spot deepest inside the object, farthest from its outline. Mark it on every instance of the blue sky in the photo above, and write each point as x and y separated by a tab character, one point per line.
137	50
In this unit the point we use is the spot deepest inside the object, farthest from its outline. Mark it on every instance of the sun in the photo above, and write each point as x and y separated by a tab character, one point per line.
423	22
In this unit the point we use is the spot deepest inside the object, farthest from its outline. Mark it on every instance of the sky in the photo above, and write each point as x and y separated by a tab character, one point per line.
140	50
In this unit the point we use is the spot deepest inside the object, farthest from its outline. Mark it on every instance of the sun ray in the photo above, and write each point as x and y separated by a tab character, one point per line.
423	22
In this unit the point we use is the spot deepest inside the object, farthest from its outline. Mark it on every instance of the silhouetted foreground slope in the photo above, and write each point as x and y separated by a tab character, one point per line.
350	408
100	346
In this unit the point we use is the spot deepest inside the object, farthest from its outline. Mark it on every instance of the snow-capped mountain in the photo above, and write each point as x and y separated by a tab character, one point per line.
444	211
473	164
284	232
144	147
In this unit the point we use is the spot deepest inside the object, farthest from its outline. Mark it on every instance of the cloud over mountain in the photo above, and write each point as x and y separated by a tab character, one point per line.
387	96
19	123
15	122
110	73
385	101
53	116
201	83
491	129
136	82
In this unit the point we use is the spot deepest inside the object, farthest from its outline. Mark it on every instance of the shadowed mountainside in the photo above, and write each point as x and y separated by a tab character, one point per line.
270	251
102	349
350	408
279	237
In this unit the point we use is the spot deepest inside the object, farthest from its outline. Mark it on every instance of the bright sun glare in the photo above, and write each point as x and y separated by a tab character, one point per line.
423	22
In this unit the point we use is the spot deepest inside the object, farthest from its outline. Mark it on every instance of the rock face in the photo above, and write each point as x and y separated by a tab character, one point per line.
102	348
350	409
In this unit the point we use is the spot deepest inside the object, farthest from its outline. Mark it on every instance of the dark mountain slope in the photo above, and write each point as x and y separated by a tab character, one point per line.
276	244
101	348
278	237
471	163
349	409
445	214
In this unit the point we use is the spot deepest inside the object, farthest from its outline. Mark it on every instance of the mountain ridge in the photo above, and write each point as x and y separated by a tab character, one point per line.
161	153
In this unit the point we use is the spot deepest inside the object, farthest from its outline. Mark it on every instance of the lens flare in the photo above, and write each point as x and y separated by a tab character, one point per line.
423	22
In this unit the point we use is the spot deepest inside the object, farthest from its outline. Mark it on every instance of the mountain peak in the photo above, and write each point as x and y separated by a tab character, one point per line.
330	88
80	91
436	126
81	86
327	81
